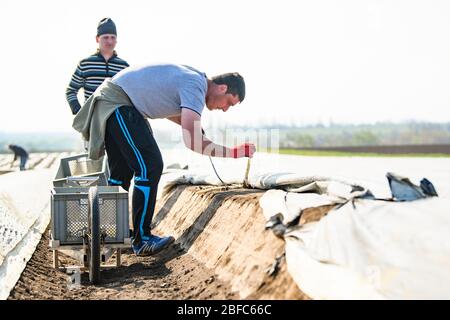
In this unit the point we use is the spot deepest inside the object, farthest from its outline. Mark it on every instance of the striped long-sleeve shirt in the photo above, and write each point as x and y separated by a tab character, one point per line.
89	74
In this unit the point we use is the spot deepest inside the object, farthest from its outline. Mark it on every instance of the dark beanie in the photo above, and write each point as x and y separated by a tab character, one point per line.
106	26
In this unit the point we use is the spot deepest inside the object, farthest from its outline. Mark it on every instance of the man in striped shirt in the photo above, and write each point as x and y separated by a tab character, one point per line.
93	70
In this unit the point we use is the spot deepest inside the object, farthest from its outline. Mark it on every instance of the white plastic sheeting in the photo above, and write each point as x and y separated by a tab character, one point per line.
371	249
24	216
289	205
291	182
364	248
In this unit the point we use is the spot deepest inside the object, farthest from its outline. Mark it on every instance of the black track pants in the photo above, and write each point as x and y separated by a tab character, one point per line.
132	150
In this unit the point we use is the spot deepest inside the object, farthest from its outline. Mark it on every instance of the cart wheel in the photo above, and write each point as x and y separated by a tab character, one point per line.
94	230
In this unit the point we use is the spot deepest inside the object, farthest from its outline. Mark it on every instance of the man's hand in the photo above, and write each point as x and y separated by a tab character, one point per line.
244	150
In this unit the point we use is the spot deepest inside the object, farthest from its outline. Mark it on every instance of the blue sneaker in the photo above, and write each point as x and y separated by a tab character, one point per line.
152	246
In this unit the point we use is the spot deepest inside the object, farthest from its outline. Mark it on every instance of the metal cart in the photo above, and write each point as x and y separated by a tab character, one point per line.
89	220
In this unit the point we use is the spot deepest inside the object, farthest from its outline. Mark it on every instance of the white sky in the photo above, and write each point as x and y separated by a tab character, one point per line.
346	61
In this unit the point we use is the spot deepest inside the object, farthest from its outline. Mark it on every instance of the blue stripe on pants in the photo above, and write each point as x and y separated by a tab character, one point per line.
144	190
131	143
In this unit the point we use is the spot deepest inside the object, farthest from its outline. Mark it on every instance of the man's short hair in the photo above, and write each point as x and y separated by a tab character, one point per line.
234	82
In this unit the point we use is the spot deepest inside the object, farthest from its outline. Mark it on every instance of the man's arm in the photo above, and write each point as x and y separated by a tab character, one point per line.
76	83
194	139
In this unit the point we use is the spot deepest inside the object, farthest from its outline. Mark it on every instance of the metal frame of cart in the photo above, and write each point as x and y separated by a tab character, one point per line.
90	221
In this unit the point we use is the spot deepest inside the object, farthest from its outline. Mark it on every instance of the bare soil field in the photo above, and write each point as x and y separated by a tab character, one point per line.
172	274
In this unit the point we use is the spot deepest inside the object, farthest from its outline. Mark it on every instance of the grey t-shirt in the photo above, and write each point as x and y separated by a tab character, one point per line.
160	91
